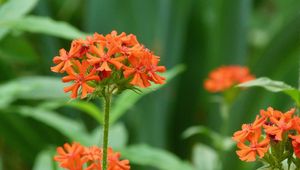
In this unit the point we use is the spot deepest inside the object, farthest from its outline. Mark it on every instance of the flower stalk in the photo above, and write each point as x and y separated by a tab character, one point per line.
107	102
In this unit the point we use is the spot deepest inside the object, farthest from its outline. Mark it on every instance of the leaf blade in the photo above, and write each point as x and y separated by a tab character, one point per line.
47	26
127	99
273	86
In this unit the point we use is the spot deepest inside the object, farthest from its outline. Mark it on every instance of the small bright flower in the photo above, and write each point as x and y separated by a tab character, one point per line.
143	69
226	77
103	59
77	157
280	125
114	161
63	61
256	147
296	124
80	79
69	156
248	130
296	144
270	112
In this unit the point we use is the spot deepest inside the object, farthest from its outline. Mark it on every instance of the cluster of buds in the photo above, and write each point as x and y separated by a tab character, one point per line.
273	137
225	77
78	157
117	61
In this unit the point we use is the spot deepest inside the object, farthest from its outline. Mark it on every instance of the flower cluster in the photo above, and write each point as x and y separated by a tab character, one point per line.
271	129
118	60
78	157
225	77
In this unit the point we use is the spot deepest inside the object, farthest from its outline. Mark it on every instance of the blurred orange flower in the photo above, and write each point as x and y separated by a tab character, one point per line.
76	157
226	77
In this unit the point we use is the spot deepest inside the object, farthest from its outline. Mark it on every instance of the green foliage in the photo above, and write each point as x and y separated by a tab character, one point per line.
45	26
274	86
128	98
88	108
218	141
33	88
13	10
44	161
209	161
163	160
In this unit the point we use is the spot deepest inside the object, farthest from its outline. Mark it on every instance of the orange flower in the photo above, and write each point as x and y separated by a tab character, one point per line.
94	155
113	59
280	125
63	61
226	77
76	157
248	130
296	123
69	156
137	69
256	147
80	79
114	162
296	144
103	59
270	112
152	67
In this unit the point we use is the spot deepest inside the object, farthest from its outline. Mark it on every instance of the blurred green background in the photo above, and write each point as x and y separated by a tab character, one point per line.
201	34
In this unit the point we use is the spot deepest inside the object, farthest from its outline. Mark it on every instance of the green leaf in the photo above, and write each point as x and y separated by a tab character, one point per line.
25	54
218	141
128	98
158	158
12	10
88	108
35	88
118	136
205	158
75	130
68	127
44	161
44	25
273	86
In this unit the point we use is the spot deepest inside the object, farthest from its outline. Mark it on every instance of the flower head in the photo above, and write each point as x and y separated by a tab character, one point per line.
105	60
270	129
78	157
226	77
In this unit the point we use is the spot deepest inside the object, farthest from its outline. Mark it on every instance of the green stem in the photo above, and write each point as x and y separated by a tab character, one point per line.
107	101
224	111
225	117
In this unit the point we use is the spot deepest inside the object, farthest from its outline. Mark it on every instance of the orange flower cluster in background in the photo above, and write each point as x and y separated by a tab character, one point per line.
270	127
226	77
78	157
109	59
